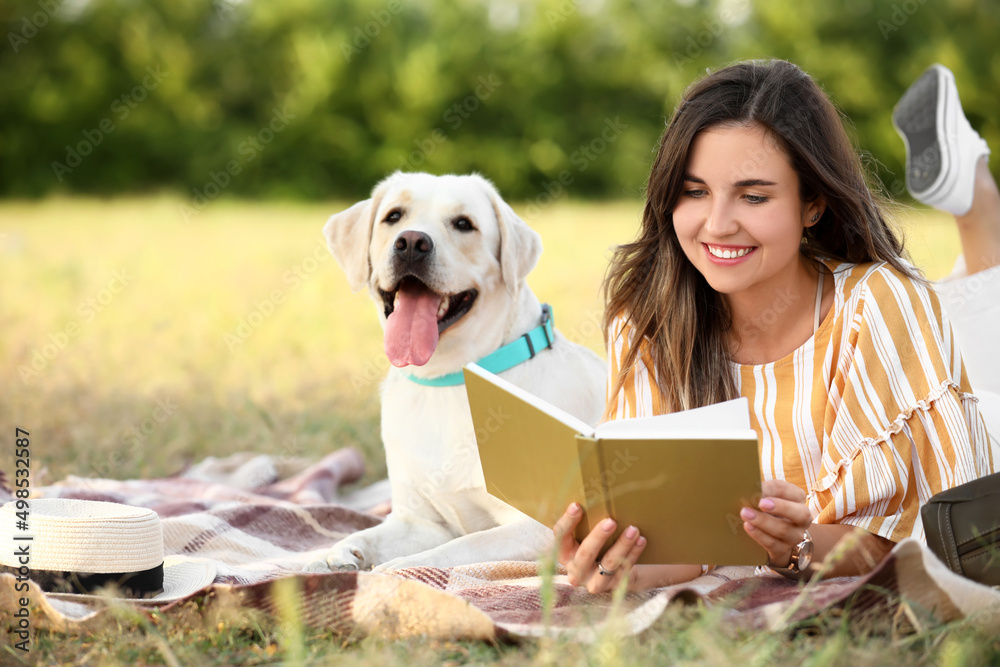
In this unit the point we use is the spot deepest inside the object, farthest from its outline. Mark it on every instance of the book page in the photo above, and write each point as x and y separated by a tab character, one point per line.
727	417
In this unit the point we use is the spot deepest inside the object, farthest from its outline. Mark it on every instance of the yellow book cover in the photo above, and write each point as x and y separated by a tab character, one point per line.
681	479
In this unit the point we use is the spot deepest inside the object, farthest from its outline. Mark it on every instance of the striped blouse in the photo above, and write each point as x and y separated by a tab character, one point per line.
871	416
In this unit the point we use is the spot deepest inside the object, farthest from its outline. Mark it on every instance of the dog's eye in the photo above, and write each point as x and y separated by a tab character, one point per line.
394	216
463	224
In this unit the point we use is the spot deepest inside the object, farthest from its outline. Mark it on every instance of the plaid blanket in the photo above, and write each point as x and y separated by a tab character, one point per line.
261	519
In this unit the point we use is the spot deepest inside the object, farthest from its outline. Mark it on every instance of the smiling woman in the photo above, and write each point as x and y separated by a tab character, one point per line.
758	214
743	234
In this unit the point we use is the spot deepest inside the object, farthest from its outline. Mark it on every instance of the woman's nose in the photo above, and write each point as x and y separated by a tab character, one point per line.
720	220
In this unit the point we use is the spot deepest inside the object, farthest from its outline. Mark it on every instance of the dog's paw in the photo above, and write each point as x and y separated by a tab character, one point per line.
346	558
401	563
316	566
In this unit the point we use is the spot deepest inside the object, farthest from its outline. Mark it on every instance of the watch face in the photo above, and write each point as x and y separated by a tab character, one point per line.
805	555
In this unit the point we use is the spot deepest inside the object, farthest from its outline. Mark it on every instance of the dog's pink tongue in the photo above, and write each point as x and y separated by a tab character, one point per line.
411	331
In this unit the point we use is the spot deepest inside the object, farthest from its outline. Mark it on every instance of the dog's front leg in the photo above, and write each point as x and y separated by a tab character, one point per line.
525	539
397	536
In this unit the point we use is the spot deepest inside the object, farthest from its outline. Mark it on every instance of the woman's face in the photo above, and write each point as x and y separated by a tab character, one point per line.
740	218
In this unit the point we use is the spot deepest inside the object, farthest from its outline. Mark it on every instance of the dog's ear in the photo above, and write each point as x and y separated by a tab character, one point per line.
349	233
520	245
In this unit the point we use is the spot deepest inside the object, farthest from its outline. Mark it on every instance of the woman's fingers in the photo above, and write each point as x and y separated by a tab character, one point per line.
617	556
584	562
779	520
795	513
581	559
779	488
618	560
564	531
777	528
779	548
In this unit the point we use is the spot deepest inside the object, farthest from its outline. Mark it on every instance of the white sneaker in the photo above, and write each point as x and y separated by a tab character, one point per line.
942	149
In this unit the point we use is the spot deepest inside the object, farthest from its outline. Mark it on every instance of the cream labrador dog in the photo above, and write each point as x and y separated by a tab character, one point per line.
445	260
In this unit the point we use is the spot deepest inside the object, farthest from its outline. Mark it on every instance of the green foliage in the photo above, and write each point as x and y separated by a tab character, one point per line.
317	99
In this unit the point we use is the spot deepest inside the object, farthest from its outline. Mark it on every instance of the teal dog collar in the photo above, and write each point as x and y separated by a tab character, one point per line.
508	356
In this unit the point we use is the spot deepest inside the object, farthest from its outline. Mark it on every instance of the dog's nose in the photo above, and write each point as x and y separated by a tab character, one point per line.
411	245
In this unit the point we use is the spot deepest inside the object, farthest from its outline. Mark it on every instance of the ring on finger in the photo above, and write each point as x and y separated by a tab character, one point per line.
604	572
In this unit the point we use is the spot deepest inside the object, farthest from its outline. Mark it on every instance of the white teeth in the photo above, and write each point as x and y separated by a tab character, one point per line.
443	308
723	253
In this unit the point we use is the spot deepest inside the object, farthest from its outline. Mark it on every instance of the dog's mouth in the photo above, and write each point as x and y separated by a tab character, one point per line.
416	316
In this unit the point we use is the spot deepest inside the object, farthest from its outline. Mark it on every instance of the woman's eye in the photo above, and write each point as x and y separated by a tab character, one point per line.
394	216
756	199
697	194
463	224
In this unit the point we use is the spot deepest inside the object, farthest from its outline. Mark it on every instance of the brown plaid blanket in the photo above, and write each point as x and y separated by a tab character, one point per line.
260	519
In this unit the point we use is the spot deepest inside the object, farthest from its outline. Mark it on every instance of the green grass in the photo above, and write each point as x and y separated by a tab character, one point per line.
136	376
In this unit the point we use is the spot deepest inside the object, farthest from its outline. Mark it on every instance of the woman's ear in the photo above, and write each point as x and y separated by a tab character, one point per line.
813	211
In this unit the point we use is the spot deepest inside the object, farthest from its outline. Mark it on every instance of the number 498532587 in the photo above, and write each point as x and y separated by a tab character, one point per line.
22	461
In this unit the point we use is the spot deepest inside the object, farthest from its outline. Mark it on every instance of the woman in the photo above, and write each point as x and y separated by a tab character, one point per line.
765	267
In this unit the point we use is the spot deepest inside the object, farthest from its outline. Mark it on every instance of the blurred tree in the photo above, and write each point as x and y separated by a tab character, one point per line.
320	99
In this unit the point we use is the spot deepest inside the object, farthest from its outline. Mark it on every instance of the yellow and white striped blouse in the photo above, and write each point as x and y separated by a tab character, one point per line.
871	416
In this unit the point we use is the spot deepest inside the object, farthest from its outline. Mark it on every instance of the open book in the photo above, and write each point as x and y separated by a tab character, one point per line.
681	478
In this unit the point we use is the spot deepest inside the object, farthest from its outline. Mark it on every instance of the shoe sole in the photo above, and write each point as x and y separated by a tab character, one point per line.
919	119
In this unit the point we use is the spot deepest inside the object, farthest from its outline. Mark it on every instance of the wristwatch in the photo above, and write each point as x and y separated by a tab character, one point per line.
802	554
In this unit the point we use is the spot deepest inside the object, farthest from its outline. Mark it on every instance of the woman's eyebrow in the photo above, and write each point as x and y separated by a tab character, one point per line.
745	183
753	182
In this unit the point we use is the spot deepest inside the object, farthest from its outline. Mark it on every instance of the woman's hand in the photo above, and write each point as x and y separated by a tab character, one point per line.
580	558
781	521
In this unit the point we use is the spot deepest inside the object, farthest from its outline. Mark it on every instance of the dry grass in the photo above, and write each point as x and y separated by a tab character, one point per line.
91	363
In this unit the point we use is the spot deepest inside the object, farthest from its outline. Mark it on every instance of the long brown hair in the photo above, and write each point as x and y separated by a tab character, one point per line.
685	323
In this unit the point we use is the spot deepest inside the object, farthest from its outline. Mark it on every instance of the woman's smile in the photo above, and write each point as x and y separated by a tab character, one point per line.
727	254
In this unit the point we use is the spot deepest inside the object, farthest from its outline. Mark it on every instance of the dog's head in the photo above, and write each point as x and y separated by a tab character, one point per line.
444	257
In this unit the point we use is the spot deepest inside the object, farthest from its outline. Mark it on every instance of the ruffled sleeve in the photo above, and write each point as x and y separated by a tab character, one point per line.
901	423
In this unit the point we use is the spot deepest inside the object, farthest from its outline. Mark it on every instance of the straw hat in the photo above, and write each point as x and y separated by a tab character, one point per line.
72	547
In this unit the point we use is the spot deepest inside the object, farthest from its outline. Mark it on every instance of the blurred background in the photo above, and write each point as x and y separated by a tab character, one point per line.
166	167
160	95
